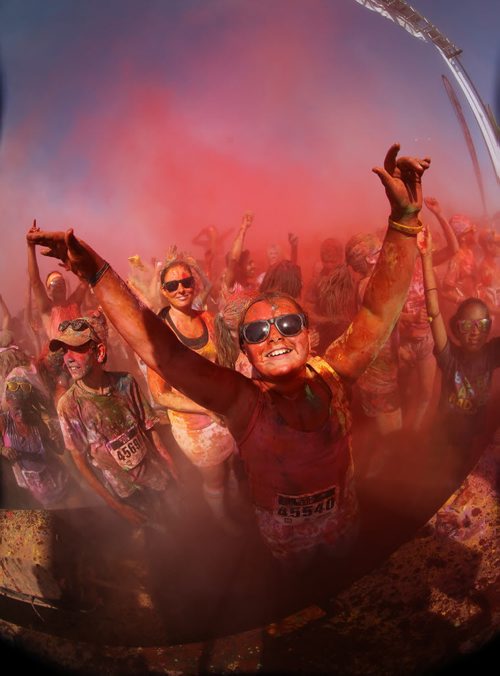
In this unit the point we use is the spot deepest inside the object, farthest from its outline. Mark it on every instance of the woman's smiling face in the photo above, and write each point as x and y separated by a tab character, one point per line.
473	327
277	356
181	297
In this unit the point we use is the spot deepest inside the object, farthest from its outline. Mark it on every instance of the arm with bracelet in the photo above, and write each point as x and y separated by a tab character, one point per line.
388	287
207	384
424	243
225	391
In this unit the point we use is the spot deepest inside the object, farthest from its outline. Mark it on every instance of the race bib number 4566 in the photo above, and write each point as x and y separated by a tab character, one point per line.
295	509
128	449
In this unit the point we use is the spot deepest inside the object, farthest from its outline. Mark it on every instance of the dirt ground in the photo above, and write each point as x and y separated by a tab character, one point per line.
194	600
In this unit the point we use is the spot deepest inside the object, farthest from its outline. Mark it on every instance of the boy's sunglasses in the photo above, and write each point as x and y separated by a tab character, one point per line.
75	324
288	325
173	284
466	325
14	385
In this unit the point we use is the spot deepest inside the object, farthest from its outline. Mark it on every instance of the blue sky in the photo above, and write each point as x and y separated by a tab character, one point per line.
140	122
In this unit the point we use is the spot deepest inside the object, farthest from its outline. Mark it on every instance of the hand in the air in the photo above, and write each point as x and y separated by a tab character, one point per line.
402	180
74	253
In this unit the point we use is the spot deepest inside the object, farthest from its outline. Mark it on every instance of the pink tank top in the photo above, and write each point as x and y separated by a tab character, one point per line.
296	473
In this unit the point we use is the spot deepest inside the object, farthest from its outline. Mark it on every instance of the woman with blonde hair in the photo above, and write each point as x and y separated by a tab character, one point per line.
198	432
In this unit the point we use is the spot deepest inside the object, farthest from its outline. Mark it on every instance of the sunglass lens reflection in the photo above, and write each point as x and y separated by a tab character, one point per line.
466	325
172	285
13	386
288	325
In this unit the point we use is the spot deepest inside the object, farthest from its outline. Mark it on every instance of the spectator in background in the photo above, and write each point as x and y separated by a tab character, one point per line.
331	299
489	275
31	441
239	277
415	336
51	298
461	278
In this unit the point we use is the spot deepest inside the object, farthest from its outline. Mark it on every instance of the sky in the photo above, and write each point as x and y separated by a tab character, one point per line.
140	122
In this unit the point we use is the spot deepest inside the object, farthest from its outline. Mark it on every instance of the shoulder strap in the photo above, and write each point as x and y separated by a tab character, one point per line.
340	401
259	405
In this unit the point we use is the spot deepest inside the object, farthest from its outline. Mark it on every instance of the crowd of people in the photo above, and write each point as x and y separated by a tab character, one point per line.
260	377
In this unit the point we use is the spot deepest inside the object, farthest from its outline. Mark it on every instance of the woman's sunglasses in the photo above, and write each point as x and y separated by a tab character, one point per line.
56	281
14	385
466	325
288	325
173	284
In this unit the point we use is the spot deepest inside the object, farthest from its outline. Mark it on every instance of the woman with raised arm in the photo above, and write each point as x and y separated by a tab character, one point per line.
239	276
414	331
52	301
292	424
466	359
462	435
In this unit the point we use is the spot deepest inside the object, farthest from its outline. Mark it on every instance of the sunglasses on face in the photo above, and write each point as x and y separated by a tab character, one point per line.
466	325
288	325
13	386
55	282
75	324
173	284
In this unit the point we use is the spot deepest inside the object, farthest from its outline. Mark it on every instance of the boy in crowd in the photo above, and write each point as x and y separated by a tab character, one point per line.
108	426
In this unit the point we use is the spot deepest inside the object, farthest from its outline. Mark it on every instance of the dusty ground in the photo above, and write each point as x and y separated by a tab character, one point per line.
194	600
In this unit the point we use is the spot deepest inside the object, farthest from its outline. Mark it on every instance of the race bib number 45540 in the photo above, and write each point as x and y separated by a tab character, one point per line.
295	509
128	449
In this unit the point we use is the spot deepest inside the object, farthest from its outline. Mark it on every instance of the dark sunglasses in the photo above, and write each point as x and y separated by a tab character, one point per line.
466	325
57	281
75	324
13	386
288	325
173	284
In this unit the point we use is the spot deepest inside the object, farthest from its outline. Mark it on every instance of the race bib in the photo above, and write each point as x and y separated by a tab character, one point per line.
128	449
294	509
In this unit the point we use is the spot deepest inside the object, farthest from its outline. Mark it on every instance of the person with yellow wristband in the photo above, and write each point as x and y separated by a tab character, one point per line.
292	423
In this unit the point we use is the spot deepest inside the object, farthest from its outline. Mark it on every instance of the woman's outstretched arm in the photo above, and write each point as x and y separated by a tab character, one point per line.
438	327
388	286
214	387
